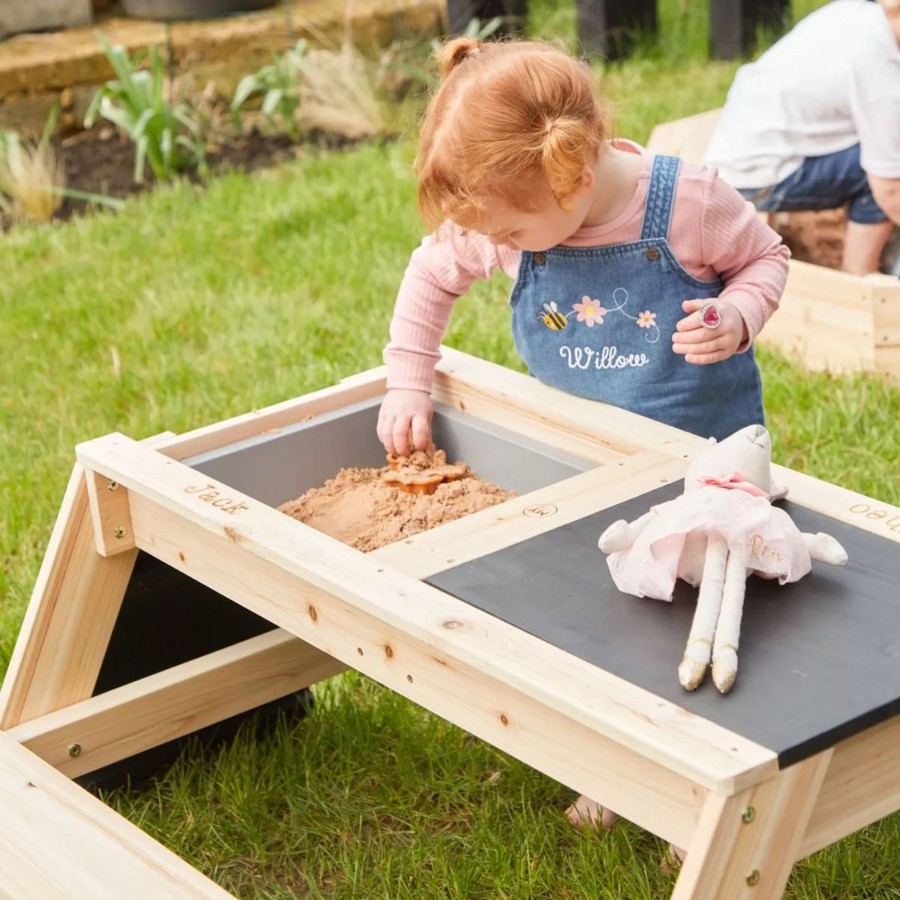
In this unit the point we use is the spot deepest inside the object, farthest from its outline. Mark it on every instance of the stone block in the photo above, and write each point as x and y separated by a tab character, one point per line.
17	16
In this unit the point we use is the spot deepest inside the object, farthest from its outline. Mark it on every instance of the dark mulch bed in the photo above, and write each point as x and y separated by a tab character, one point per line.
99	161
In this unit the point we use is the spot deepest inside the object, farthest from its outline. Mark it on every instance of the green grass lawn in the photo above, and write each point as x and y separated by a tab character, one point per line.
194	305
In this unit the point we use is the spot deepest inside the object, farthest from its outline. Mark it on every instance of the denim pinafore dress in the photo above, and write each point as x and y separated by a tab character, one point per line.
598	322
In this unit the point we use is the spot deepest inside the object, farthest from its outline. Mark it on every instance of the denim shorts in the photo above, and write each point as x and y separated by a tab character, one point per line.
822	182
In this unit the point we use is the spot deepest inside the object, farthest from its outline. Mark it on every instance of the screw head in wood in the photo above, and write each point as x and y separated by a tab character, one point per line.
119	532
753	878
748	815
112	485
74	750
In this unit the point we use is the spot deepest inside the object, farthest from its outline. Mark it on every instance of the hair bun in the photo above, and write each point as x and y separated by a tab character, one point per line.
452	53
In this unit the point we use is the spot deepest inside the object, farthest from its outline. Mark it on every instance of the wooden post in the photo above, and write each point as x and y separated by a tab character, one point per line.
71	615
461	12
745	845
608	27
59	841
733	24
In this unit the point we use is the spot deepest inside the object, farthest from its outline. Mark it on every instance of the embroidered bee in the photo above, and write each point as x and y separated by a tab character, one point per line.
552	317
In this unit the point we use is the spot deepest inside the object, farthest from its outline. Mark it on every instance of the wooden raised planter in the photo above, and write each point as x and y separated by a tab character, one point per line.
828	319
749	783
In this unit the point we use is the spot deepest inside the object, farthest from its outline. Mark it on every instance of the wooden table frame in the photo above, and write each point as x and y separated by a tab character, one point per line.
682	777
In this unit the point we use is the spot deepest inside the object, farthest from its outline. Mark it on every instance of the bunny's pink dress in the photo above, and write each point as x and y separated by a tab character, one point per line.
673	541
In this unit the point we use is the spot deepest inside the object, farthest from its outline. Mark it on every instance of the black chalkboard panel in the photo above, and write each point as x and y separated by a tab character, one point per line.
819	659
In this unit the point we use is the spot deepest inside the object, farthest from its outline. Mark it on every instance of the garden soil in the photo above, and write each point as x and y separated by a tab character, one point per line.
367	508
98	161
814	237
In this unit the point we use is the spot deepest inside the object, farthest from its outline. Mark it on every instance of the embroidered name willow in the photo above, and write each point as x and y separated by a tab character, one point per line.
606	358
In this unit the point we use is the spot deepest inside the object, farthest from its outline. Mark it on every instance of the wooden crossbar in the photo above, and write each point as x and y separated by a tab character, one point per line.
57	842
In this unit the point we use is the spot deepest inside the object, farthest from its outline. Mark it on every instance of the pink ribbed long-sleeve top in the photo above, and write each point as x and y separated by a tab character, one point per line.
714	232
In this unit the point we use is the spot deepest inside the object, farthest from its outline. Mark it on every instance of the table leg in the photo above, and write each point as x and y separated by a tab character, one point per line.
745	846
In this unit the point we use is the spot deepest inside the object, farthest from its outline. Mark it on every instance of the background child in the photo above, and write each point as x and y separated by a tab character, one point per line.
814	123
615	253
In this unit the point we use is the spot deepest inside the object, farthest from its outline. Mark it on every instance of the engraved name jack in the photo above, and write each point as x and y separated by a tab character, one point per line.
209	493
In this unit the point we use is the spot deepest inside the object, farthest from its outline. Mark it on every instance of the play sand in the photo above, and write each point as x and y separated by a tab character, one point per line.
368	508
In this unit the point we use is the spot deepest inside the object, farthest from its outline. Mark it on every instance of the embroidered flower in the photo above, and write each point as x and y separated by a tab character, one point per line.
589	311
646	319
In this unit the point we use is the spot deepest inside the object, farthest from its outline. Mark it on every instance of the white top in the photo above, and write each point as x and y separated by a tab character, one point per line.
831	82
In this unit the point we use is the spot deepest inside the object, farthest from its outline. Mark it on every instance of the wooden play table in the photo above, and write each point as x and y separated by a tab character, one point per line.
503	623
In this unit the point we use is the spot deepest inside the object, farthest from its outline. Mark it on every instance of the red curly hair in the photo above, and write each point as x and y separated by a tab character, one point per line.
507	118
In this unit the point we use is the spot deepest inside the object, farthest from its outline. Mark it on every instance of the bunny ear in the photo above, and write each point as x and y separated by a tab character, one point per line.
778	492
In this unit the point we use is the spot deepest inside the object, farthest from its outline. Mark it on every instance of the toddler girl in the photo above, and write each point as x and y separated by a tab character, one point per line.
615	253
639	281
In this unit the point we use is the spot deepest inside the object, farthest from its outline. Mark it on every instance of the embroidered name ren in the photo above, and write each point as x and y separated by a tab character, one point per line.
760	550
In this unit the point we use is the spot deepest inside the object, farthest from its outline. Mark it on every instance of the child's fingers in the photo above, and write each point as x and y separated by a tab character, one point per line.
691	308
700	336
420	432
703	338
704	348
689	323
400	435
703	359
692	321
385	431
395	435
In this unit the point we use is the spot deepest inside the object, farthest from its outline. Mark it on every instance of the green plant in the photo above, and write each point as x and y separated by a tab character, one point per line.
475	28
166	135
31	174
279	83
33	178
408	66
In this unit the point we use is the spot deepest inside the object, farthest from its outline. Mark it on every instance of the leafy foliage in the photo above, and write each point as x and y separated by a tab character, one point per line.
279	83
33	178
166	135
409	66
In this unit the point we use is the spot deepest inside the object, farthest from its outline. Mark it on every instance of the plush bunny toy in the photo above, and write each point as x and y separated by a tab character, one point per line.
720	530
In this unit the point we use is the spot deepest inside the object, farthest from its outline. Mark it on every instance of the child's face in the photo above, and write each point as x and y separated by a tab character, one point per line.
534	230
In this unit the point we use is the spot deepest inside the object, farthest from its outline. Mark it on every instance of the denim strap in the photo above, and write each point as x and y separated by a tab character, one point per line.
660	196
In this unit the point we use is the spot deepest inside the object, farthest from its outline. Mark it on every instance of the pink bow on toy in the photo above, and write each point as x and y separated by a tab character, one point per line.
735	482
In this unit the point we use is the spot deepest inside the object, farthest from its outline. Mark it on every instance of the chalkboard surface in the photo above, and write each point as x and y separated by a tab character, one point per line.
819	659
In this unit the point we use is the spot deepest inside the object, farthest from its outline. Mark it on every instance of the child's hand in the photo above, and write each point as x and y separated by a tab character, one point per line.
401	410
701	345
